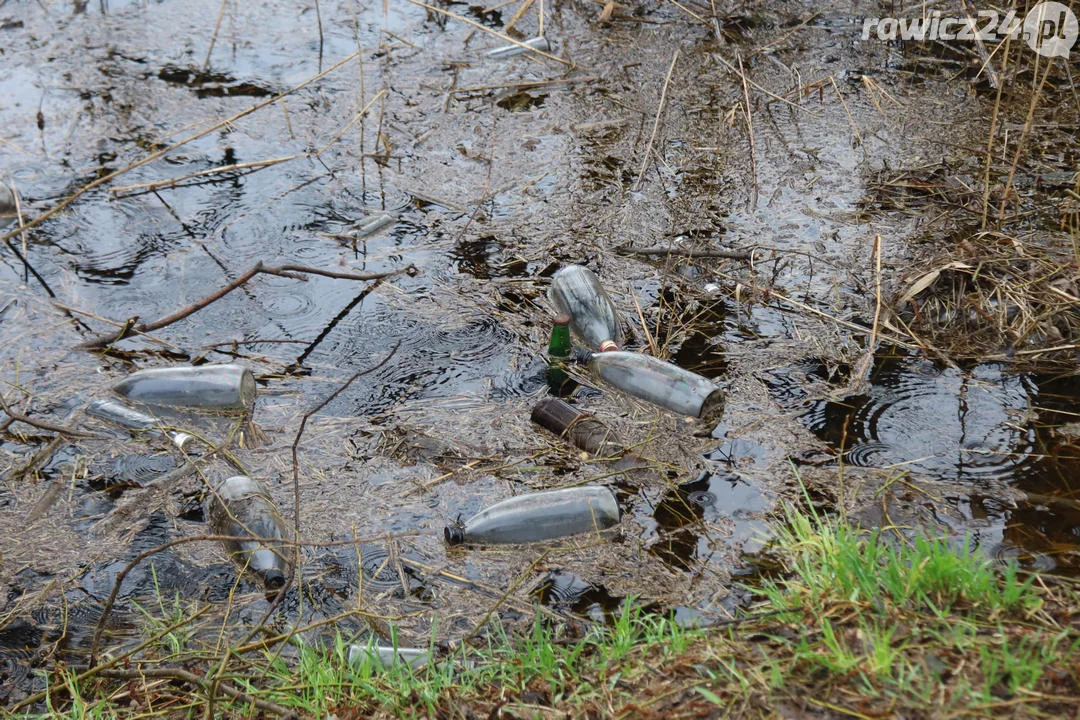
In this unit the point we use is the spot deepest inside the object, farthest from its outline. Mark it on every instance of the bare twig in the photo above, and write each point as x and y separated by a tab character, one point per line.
290	271
27	267
644	326
524	84
992	73
741	75
749	133
862	369
1024	133
296	487
303	424
517	15
847	110
129	190
496	33
13	417
175	673
656	122
38	697
685	252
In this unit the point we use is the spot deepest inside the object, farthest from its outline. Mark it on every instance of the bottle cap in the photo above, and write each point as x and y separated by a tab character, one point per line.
562	319
608	346
582	355
454	535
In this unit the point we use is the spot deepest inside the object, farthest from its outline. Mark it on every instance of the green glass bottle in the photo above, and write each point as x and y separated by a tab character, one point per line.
559	349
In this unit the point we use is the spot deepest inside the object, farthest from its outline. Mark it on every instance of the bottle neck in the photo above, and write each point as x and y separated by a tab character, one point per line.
560	346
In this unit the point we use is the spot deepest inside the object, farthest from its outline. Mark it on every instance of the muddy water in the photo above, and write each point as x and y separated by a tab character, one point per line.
495	172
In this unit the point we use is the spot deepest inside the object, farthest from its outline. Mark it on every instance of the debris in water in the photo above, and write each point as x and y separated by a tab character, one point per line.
656	381
217	387
539	516
577	293
537	43
581	429
118	413
241	507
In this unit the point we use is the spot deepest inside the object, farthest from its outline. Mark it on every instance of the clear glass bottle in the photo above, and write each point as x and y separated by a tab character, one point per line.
656	381
577	293
388	655
539	516
128	417
217	387
537	43
241	507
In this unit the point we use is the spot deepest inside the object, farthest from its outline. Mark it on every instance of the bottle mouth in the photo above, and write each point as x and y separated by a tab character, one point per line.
608	346
454	535
713	405
274	579
562	319
582	355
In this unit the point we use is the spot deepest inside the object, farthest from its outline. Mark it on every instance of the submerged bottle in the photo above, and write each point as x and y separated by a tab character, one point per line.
218	387
240	507
581	429
537	43
128	417
656	381
539	516
576	292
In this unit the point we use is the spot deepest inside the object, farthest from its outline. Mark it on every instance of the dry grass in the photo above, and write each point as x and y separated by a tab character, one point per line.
997	296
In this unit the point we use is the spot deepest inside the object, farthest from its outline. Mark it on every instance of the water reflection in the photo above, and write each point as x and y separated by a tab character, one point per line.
977	426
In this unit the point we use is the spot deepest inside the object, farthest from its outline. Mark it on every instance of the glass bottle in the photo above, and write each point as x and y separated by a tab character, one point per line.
576	292
128	417
581	429
241	507
537	43
217	387
539	516
388	655
656	381
559	350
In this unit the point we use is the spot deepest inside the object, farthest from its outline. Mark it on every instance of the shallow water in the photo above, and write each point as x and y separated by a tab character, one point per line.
982	428
491	185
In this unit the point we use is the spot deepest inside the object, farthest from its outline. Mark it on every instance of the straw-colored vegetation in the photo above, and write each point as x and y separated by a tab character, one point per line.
852	623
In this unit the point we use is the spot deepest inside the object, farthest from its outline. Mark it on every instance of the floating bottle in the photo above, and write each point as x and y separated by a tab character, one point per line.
656	381
539	516
240	507
128	417
216	387
537	43
559	350
7	201
576	292
581	429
